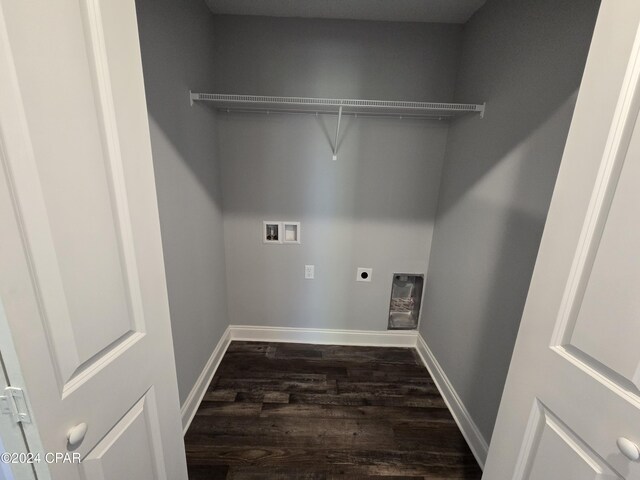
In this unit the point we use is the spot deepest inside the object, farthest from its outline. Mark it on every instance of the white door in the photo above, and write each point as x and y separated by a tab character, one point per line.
573	387
81	270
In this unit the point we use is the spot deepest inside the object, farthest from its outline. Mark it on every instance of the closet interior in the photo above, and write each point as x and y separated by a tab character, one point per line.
359	167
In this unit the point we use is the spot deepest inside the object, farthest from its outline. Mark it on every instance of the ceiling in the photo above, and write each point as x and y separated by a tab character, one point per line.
441	11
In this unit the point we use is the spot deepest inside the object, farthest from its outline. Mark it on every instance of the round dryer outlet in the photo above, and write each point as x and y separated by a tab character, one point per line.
364	274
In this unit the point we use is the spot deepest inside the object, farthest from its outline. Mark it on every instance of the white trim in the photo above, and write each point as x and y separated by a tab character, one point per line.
324	336
469	429
191	404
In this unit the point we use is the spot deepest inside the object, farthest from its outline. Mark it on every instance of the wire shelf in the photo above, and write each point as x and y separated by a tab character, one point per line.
251	103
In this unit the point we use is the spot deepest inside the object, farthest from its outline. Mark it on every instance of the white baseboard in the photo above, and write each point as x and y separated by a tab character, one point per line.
469	429
324	336
191	404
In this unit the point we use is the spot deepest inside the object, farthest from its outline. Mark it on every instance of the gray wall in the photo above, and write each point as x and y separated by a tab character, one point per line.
373	207
336	58
177	50
525	59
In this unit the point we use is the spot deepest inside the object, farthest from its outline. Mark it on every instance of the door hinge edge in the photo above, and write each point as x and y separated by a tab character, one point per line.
13	402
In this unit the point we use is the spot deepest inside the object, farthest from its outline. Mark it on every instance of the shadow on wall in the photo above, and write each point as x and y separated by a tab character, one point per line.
176	40
525	59
535	165
176	53
336	58
525	75
189	131
511	254
485	246
387	169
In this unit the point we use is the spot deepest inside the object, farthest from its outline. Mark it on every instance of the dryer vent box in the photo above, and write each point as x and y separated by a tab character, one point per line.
406	298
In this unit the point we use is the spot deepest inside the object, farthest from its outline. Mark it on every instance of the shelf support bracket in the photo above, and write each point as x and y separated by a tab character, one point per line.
335	144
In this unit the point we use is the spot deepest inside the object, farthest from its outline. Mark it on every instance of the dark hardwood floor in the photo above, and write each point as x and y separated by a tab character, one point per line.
294	411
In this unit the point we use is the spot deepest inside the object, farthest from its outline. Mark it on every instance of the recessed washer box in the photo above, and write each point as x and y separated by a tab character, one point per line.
290	232
364	274
271	231
279	232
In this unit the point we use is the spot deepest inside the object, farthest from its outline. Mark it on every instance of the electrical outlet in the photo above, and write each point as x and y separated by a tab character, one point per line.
364	274
309	272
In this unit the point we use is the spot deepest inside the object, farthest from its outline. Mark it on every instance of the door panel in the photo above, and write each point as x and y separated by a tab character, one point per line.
606	328
113	456
90	296
553	451
92	301
577	355
81	269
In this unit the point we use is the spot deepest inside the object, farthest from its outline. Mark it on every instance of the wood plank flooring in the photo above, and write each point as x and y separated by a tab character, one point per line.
297	411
